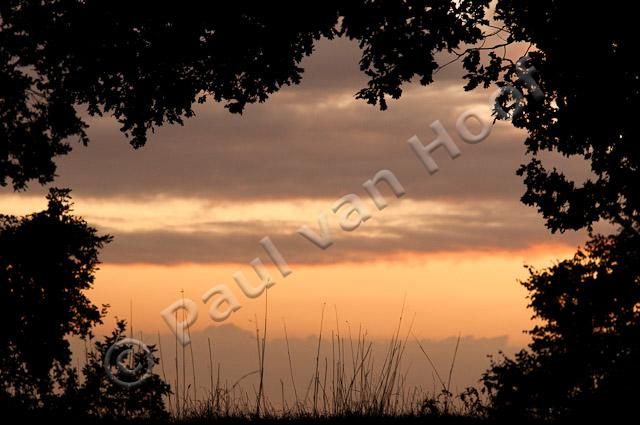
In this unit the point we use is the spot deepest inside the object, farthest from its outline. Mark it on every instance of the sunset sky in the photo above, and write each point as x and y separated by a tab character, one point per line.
188	209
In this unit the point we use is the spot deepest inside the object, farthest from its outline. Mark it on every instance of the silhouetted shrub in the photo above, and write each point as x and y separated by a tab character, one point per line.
101	397
47	261
585	355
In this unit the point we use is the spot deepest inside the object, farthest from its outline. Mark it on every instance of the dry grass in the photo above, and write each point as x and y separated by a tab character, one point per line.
348	383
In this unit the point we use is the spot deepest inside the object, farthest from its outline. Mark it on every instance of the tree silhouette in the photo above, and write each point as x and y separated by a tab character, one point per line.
148	62
99	396
585	67
583	359
47	262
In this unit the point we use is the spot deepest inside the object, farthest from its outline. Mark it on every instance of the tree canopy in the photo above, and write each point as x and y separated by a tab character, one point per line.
47	262
583	359
584	58
148	62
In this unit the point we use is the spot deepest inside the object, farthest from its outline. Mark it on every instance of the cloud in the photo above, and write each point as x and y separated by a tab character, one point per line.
413	229
309	141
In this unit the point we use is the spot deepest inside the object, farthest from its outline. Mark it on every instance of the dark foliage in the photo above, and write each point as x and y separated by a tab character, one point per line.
584	356
584	359
585	62
147	62
47	262
98	396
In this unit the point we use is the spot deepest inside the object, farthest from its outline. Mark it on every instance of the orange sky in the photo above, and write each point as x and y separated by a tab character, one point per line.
188	209
472	293
469	291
